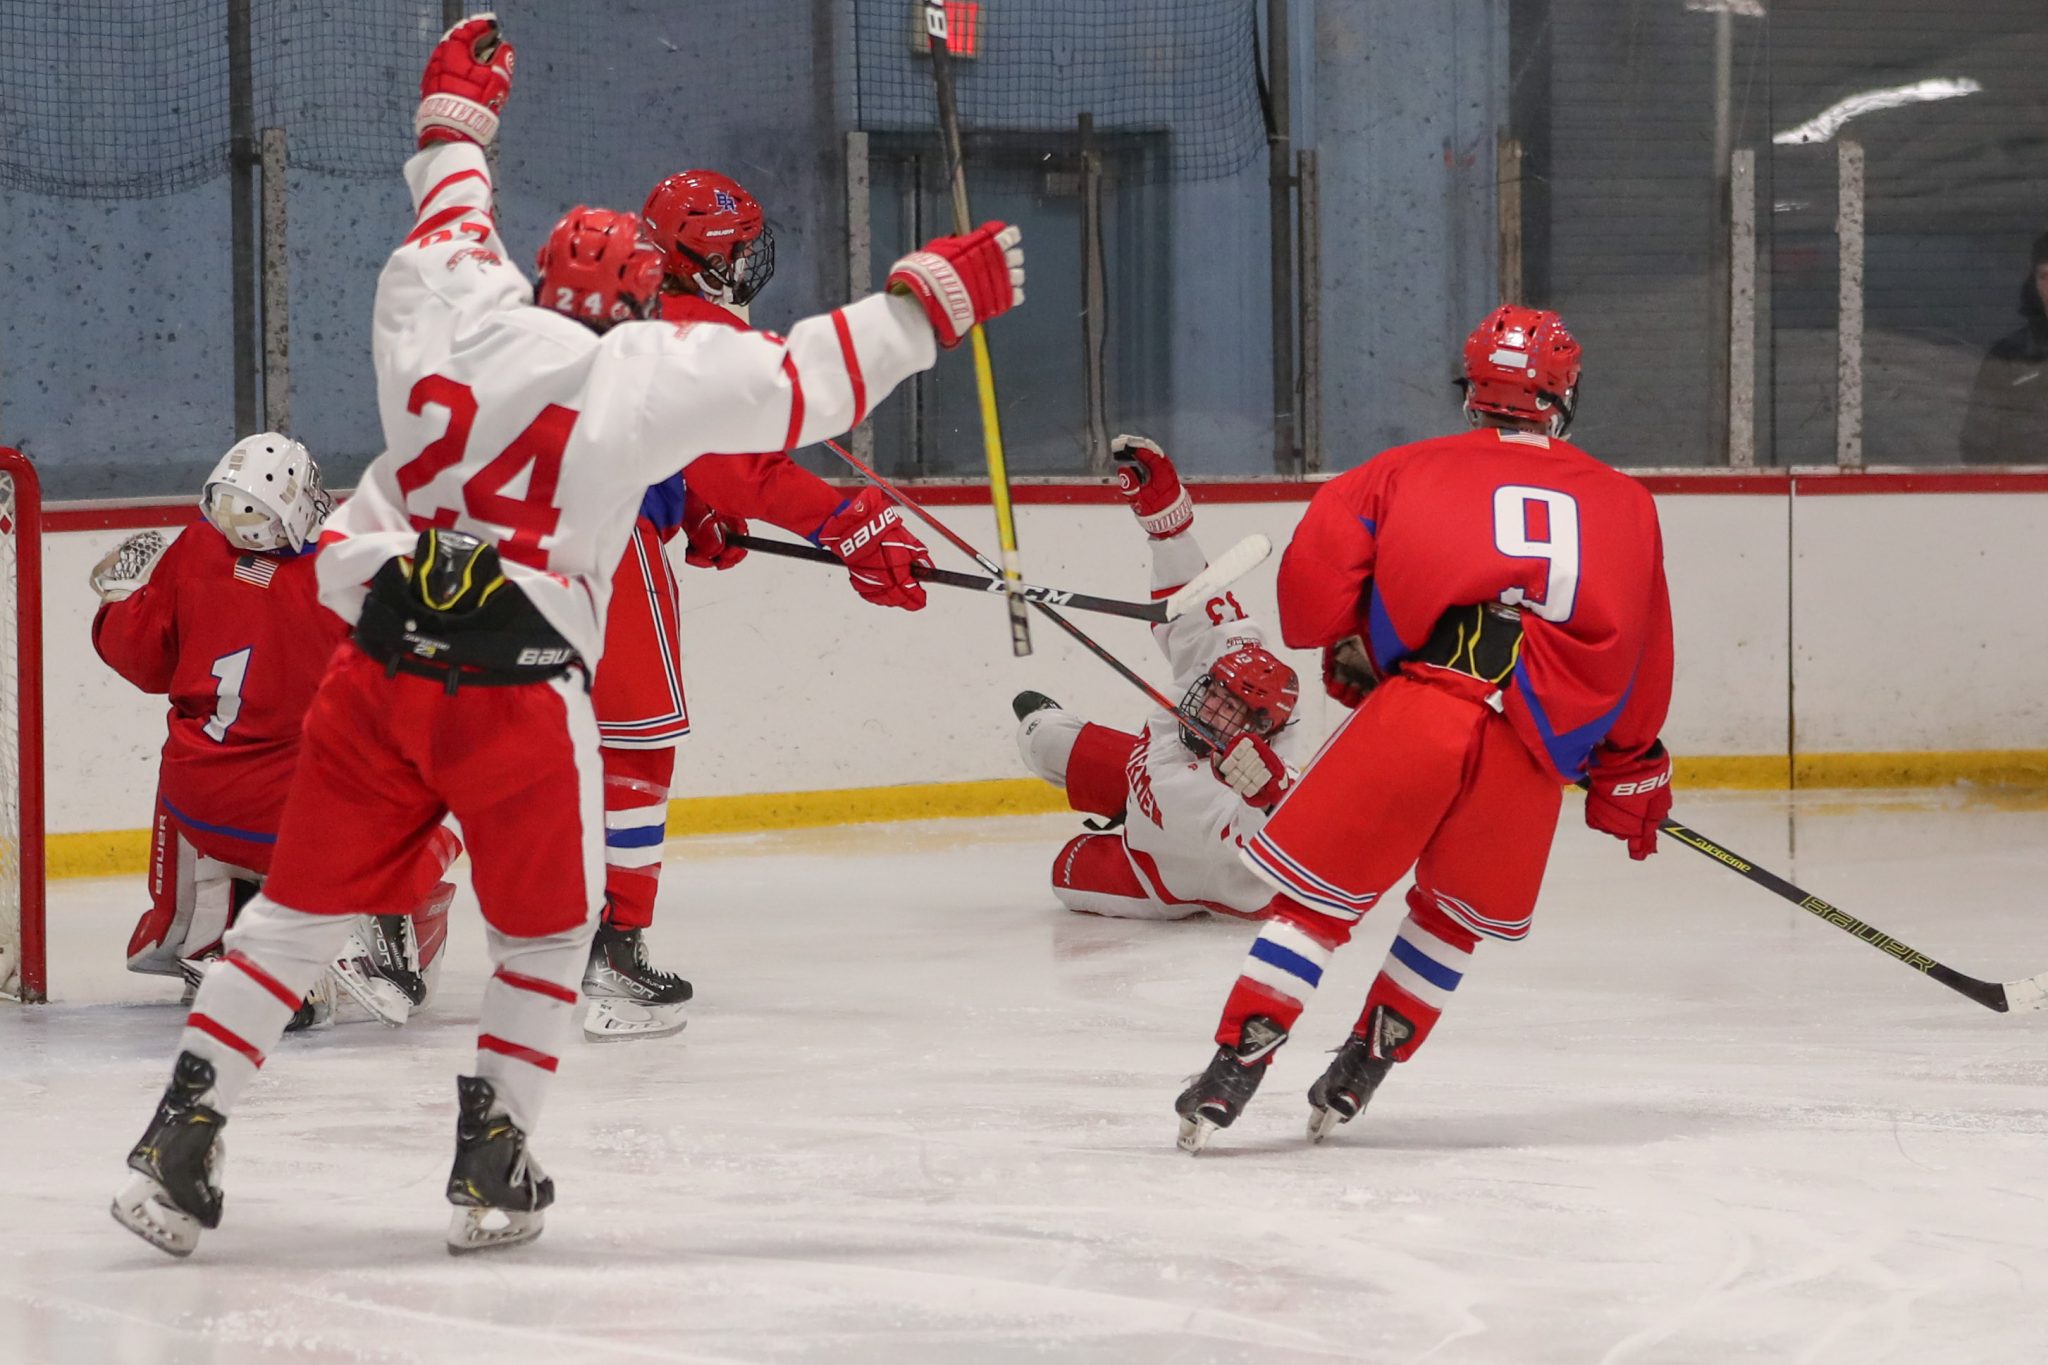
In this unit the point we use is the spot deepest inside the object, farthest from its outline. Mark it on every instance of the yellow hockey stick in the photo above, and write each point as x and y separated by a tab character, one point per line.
984	371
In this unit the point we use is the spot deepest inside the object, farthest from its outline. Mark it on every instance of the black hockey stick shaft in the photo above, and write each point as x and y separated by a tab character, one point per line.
1154	612
1990	994
1081	637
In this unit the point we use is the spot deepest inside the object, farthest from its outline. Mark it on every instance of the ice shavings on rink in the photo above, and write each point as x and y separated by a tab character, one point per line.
922	1116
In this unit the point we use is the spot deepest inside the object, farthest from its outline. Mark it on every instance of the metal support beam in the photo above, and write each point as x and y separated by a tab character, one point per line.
243	248
1094	302
1849	334
1742	309
1280	176
860	271
1311	312
277	288
1508	214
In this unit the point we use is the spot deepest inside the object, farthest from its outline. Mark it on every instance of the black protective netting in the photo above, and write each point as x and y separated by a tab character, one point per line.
340	75
111	101
100	99
1188	70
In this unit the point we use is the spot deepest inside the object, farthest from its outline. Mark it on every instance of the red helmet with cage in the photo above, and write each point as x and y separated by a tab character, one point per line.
1521	363
1248	690
595	268
714	237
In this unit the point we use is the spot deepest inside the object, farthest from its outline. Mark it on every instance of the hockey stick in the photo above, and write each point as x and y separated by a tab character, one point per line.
1225	569
937	35
2014	996
902	499
1233	564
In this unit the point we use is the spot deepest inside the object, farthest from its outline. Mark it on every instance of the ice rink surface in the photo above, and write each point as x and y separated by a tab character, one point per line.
923	1115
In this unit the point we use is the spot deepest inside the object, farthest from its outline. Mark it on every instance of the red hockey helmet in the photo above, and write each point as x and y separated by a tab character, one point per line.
1521	363
595	268
1248	690
713	235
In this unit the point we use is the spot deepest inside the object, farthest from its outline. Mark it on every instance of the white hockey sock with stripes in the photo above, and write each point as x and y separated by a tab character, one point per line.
528	1010
271	958
1422	969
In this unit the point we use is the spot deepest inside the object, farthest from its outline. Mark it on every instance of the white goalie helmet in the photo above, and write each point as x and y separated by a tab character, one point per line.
266	494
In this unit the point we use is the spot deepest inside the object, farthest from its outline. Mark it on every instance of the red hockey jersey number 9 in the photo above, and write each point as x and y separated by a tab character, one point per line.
525	518
1540	523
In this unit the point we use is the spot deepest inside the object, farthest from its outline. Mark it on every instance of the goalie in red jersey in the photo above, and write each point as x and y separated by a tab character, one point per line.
718	253
224	619
1493	605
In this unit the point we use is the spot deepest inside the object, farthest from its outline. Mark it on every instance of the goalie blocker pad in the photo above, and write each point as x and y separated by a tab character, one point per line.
449	613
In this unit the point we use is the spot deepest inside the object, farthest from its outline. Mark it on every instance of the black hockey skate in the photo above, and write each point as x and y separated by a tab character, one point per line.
1341	1093
629	996
1028	703
1215	1098
493	1174
176	1188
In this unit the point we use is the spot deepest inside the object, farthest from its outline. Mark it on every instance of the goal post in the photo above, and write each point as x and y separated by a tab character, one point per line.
23	958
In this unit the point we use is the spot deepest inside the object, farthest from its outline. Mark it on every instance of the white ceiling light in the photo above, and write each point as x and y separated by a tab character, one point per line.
1823	126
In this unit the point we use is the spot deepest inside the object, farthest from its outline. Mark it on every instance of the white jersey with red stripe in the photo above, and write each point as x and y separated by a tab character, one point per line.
515	424
1183	826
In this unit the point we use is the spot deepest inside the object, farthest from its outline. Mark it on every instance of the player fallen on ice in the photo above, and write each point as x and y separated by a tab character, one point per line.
523	423
1185	806
1493	606
225	619
717	254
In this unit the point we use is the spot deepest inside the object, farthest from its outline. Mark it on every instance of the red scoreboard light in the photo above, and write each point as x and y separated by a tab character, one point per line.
963	28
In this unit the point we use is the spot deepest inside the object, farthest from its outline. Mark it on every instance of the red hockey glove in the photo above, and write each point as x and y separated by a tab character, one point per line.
1347	672
1151	485
962	281
879	550
466	81
1250	768
1629	797
708	535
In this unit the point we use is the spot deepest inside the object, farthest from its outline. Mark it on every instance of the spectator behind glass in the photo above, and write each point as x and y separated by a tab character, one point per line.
2008	417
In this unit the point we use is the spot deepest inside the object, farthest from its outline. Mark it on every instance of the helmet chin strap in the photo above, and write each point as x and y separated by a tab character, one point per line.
720	294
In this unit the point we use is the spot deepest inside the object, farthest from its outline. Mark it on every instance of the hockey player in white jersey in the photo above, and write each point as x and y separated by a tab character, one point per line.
522	424
1185	808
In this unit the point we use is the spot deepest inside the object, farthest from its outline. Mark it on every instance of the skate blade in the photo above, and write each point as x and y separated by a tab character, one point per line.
143	1209
612	1020
1322	1123
1195	1134
474	1229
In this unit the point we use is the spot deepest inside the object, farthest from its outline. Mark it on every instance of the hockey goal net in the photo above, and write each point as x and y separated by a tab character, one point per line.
22	965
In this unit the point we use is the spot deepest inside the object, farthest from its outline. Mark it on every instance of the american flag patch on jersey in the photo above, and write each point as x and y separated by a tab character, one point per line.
255	570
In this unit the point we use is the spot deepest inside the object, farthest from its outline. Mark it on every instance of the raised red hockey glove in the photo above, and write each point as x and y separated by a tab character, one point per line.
1250	768
1151	485
880	551
1347	672
962	281
1629	797
708	535
466	81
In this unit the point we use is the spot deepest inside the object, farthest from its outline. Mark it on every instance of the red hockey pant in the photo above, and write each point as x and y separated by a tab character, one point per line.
385	760
1424	775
